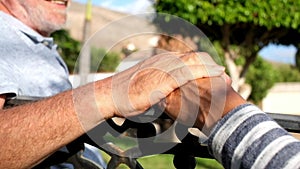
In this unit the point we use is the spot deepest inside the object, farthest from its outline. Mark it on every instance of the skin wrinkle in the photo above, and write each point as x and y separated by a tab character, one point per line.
34	14
56	121
207	117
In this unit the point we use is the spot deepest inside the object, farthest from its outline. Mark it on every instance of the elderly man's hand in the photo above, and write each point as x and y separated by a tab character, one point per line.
140	87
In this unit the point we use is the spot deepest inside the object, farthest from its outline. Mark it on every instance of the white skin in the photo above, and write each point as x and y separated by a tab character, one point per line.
31	132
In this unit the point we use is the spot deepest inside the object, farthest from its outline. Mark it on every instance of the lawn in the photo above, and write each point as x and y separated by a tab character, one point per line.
161	161
165	161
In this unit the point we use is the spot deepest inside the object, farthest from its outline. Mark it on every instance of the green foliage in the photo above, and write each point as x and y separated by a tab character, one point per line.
165	161
245	27
103	61
297	58
287	73
261	76
161	161
271	13
248	23
68	48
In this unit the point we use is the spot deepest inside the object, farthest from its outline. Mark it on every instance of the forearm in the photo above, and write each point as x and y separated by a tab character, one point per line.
246	137
31	132
54	122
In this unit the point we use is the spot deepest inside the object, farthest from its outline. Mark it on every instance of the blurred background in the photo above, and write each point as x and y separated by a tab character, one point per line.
257	41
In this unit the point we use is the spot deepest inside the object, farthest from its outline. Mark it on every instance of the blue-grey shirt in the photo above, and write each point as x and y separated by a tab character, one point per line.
29	62
31	66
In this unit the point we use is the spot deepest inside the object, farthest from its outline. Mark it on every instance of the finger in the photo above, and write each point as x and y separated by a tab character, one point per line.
197	58
165	61
170	61
206	58
189	73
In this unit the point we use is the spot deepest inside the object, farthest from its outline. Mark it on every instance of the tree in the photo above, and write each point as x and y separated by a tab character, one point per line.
241	27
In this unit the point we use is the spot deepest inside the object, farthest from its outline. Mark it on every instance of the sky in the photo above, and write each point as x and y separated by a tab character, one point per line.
284	54
279	53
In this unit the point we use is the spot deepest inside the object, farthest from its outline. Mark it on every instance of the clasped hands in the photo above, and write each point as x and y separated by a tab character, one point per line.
190	87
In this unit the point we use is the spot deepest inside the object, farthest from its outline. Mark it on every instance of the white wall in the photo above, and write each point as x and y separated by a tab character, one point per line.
75	79
283	98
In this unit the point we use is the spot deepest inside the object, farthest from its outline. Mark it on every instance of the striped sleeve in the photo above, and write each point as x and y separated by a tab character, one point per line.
248	138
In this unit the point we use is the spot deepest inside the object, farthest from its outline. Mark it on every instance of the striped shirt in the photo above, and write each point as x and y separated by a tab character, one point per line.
248	138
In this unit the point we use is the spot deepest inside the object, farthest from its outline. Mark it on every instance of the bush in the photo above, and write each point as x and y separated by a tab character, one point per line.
68	48
261	76
288	73
103	61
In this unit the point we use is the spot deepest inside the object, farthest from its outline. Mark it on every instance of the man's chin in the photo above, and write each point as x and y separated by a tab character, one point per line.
51	28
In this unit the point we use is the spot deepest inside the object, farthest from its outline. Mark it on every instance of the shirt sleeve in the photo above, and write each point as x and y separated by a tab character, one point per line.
8	82
248	138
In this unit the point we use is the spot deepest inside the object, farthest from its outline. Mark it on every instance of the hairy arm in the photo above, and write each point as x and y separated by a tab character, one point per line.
31	132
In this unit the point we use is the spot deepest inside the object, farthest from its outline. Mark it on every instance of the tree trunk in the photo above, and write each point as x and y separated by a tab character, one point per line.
238	80
235	71
232	68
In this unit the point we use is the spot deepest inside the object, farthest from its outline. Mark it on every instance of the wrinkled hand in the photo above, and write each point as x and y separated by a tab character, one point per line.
202	102
147	83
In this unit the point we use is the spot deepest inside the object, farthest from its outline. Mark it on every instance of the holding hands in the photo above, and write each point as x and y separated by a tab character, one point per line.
190	87
147	83
202	102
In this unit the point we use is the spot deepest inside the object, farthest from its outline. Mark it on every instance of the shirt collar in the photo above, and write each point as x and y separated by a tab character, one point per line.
33	35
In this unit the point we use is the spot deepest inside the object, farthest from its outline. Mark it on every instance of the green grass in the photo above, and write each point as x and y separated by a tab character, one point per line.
161	161
165	161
